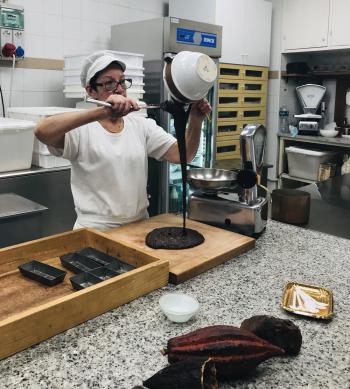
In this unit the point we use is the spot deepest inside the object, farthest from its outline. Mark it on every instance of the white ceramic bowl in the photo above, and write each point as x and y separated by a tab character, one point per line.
193	74
178	307
329	133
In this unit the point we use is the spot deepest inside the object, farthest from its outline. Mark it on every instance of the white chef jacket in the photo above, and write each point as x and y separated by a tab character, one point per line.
109	170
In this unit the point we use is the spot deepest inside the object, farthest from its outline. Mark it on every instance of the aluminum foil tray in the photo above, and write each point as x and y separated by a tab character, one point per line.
308	300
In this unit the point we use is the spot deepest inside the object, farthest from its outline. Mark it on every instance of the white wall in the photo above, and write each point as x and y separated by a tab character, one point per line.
55	28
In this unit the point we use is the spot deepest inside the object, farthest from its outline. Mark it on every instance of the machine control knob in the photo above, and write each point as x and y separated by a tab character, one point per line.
246	178
8	50
19	52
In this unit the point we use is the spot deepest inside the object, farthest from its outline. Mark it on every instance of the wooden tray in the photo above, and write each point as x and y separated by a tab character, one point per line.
31	312
219	245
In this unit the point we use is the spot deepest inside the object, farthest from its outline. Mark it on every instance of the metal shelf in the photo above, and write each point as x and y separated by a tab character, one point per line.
339	142
287	176
32	170
325	73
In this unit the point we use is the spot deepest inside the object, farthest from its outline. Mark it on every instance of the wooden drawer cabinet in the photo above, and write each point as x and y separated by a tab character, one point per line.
231	71
253	87
256	73
228	86
229	129
241	72
226	114
252	114
241	100
227	148
233	128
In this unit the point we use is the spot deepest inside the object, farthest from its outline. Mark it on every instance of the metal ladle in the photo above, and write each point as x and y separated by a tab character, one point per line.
141	105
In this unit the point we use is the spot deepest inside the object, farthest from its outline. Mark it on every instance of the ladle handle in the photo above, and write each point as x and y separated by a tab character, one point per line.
98	102
140	104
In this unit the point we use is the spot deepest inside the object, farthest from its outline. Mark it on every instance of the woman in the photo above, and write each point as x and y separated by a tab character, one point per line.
108	148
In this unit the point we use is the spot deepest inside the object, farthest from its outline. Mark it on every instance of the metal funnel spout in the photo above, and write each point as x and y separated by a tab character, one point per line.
252	139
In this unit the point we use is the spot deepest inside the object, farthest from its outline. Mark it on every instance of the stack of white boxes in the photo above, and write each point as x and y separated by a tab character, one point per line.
134	70
41	154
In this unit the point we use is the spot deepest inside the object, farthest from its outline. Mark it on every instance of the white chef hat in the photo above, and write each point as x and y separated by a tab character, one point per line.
96	62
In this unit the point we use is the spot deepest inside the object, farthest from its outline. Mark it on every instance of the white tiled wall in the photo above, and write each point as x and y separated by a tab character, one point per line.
55	28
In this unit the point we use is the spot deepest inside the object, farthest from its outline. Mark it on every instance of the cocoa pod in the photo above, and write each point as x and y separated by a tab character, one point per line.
199	374
280	332
236	352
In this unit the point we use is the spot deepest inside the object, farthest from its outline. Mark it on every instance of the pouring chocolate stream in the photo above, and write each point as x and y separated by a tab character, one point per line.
180	116
177	237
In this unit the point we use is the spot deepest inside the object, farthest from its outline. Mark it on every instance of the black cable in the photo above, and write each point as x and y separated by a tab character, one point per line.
2	102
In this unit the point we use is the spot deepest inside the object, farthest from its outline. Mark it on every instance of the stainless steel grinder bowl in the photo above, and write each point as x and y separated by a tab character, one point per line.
211	179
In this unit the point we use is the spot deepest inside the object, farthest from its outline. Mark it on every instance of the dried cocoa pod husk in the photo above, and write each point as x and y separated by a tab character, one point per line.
199	374
280	332
236	352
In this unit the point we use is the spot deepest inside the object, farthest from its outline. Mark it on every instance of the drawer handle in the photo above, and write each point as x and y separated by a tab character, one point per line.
226	149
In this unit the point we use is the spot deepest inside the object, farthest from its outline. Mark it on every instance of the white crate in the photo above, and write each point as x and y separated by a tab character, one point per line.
305	163
77	92
136	80
16	144
72	76
49	161
136	84
36	114
74	91
74	95
137	71
130	59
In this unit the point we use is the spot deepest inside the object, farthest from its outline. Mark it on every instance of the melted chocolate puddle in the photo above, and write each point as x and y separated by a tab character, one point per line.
176	237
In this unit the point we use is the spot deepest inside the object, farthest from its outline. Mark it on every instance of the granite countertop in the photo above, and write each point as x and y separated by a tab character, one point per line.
121	348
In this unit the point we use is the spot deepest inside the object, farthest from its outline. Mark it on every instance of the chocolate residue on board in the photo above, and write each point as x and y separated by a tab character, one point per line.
172	238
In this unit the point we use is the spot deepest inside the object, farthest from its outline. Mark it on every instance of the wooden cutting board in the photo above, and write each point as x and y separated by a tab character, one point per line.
219	245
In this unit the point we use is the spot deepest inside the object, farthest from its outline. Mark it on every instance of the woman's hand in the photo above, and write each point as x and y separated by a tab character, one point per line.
121	106
200	109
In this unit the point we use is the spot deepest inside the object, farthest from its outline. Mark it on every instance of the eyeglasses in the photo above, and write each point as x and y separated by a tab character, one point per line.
112	85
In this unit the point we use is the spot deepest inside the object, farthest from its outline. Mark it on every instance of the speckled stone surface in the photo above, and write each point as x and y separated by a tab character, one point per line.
121	348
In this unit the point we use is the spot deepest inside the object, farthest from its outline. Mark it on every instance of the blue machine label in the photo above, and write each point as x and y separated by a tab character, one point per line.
198	38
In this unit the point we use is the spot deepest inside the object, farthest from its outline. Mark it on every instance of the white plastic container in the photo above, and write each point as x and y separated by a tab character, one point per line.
16	144
40	153
179	307
305	163
49	161
36	114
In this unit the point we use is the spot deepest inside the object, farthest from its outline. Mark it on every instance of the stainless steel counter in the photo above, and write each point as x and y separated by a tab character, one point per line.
32	170
50	188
